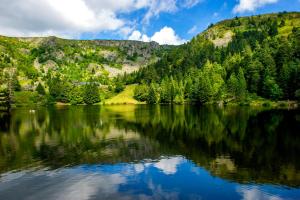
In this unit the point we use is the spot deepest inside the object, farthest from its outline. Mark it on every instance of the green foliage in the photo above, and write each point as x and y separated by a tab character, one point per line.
28	98
233	85
91	93
16	84
242	85
271	89
141	92
59	89
297	94
76	95
202	89
253	75
40	89
260	60
119	86
179	98
153	96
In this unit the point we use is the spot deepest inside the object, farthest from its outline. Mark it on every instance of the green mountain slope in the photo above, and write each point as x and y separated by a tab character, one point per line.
44	61
235	60
36	58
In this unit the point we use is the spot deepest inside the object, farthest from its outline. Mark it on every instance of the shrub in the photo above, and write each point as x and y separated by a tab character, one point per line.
75	96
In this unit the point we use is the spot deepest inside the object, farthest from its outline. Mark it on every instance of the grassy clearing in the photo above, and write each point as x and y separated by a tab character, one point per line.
125	97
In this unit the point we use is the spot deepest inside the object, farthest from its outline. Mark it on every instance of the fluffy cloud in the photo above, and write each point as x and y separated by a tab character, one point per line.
168	6
69	18
137	35
156	7
59	17
251	5
169	165
252	193
190	3
165	36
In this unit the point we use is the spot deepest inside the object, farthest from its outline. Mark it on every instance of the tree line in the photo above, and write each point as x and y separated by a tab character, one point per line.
258	62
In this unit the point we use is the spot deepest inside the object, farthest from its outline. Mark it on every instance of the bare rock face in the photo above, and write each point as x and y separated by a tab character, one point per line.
117	54
222	42
131	48
113	72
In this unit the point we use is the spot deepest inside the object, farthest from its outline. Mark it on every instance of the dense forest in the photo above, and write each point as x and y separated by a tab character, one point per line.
260	59
238	60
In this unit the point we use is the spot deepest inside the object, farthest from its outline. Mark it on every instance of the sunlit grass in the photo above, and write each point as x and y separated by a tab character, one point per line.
125	97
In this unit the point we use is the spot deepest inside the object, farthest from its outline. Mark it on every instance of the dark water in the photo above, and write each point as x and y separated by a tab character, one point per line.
150	152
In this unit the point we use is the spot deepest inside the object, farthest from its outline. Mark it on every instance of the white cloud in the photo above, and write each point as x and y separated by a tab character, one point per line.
73	183
168	6
139	168
135	35
165	36
191	3
252	193
157	6
59	17
70	18
251	5
138	36
125	31
169	166
193	30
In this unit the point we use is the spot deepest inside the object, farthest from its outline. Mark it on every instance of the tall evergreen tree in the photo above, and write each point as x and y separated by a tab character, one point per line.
153	97
91	93
242	85
40	89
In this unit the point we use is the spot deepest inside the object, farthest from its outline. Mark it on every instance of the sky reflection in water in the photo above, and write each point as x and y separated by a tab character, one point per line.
168	178
150	153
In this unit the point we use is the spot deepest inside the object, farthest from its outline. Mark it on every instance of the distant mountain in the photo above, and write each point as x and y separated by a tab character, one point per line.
35	57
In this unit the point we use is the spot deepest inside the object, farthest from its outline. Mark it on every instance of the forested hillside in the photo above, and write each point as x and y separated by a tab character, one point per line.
236	60
50	69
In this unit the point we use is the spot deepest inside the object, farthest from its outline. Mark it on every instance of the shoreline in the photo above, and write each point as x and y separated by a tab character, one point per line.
258	103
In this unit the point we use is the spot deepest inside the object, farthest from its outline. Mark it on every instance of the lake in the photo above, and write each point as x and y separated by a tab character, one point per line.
150	152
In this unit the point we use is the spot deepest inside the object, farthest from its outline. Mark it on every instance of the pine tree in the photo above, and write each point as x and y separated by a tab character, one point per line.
232	85
165	94
188	88
253	76
203	89
242	85
141	92
153	97
179	98
270	89
91	94
40	89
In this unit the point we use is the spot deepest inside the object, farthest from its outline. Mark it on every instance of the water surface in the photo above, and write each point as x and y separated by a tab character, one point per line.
150	152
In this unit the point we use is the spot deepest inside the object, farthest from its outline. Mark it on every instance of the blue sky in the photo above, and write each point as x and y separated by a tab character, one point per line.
163	21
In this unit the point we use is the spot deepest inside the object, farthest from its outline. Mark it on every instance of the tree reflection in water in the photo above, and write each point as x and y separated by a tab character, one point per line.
235	143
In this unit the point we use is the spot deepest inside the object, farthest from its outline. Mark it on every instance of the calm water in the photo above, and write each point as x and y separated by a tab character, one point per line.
150	152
